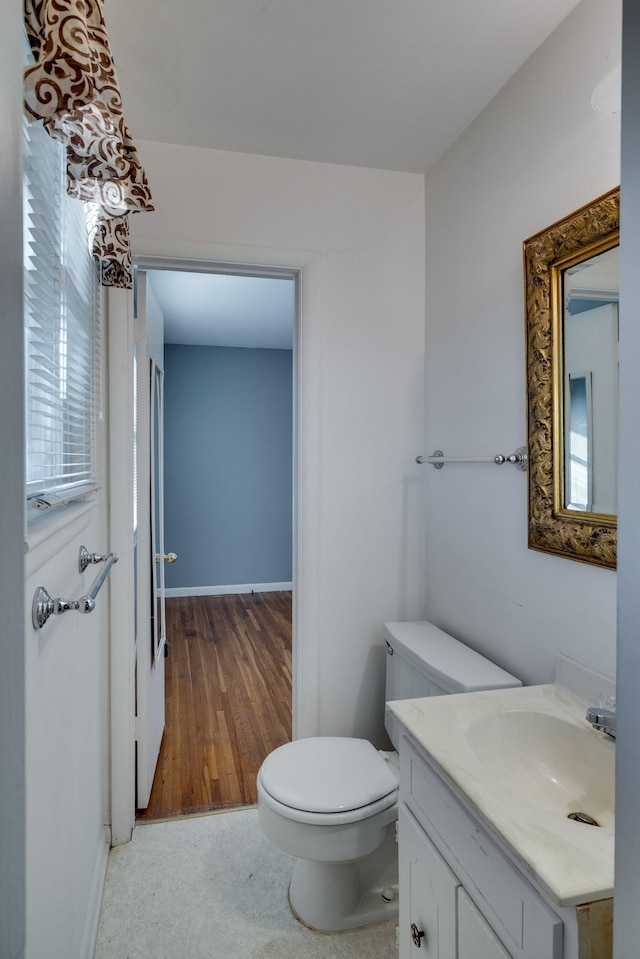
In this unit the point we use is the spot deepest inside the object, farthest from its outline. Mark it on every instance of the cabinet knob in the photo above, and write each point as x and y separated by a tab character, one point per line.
417	935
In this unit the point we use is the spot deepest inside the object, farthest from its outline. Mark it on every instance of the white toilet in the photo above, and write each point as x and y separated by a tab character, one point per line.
332	802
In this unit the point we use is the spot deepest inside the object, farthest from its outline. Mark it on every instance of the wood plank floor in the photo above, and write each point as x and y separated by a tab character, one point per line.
228	700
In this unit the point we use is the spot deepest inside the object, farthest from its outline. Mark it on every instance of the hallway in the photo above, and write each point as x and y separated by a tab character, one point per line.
228	700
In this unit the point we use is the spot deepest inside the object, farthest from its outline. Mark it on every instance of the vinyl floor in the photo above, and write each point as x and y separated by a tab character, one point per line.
213	887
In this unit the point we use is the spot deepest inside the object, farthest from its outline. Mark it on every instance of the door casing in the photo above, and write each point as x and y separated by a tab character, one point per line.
121	420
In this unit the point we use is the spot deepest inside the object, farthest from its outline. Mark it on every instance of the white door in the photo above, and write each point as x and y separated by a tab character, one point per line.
149	563
156	512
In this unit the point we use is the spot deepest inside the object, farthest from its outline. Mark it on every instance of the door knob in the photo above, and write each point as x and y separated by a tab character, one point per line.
168	557
417	935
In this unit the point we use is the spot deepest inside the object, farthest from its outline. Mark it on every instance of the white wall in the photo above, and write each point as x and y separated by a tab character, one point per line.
67	789
535	154
12	711
627	853
52	842
358	236
65	758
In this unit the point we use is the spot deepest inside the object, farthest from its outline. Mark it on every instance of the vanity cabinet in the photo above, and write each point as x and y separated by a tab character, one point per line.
476	938
427	909
460	896
436	914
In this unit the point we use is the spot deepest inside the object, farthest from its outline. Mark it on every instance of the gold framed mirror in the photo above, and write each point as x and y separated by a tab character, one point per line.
571	304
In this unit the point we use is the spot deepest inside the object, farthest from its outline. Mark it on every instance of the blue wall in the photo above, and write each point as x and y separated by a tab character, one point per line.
228	465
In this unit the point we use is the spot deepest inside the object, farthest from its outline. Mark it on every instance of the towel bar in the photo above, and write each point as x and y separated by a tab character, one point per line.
438	459
44	606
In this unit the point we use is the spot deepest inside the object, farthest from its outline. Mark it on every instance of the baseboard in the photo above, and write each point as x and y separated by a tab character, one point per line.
227	590
95	903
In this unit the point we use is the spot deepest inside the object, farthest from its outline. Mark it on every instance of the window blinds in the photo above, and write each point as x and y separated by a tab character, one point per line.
62	333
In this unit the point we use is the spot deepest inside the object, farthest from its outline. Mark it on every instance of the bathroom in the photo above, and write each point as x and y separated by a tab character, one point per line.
375	395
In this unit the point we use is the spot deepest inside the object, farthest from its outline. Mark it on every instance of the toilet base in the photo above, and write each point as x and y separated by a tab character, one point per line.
332	897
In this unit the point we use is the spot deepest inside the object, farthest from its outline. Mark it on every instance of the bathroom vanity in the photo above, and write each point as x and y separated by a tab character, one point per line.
491	867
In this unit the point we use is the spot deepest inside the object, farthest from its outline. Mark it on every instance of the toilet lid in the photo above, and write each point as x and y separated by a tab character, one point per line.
327	774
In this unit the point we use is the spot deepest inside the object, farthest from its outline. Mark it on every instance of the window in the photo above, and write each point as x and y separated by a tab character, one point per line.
62	330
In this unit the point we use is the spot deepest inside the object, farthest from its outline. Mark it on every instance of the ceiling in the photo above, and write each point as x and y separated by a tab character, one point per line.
218	309
378	83
388	84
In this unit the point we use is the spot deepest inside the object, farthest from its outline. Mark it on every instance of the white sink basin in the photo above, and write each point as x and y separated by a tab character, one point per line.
524	759
550	762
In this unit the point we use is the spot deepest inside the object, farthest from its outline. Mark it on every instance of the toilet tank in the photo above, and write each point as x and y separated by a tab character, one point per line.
423	660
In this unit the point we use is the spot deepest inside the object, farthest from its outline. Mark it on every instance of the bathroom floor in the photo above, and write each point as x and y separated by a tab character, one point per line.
212	887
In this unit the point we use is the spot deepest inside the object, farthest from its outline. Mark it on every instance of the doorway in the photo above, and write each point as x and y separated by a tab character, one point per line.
228	354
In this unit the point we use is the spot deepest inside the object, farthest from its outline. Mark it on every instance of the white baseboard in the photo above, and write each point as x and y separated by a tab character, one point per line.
92	919
227	590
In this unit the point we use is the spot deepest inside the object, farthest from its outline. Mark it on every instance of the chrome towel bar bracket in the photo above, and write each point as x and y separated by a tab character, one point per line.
44	606
438	459
85	558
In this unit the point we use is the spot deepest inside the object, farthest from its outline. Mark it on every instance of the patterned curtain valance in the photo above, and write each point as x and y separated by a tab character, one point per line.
72	87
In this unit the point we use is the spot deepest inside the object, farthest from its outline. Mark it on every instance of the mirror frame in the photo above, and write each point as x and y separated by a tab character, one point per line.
585	537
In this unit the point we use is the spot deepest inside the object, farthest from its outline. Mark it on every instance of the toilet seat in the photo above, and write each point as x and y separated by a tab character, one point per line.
350	817
328	779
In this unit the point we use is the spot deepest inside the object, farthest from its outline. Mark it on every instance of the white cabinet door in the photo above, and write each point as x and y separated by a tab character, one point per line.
427	920
476	939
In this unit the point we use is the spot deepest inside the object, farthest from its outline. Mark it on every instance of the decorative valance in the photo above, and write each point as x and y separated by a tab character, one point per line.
72	87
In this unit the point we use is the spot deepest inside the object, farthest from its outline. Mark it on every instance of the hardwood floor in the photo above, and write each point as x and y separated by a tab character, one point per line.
228	700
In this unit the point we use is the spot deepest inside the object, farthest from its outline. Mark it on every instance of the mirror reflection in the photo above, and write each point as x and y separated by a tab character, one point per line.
590	380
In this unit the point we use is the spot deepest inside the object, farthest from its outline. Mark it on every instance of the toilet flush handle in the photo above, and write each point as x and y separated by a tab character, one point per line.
417	935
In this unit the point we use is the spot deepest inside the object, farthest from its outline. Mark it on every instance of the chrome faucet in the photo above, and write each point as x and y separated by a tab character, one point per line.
603	719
